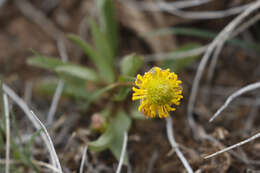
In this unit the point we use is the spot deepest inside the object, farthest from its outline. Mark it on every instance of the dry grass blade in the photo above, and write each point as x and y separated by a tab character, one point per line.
219	40
36	162
2	2
7	124
53	152
236	94
177	55
172	9
83	160
46	165
234	146
241	28
31	117
60	86
175	146
158	6
122	155
55	101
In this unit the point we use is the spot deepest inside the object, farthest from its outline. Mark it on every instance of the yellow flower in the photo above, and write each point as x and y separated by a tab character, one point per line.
158	91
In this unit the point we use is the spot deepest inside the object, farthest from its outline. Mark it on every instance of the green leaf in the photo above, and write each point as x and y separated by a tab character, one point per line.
102	142
113	137
130	64
122	94
108	22
102	44
77	71
177	65
48	87
47	63
105	69
129	67
121	124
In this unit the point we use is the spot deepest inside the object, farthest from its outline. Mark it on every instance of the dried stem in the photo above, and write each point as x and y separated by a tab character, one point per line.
220	39
21	103
175	146
236	94
234	146
7	125
122	155
83	159
175	10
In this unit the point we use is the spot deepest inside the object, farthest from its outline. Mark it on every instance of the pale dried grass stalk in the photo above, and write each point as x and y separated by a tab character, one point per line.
122	155
60	86
7	125
175	146
35	123
234	146
236	94
159	6
53	151
219	40
176	55
174	10
236	32
83	159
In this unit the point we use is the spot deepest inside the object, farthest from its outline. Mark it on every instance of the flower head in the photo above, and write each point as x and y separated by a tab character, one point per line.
158	91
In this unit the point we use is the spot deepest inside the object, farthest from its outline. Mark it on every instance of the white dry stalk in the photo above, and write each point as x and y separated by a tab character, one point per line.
28	92
122	155
164	6
236	32
214	60
36	162
2	2
43	164
60	86
220	39
55	101
53	152
158	6
234	146
176	55
21	103
7	125
175	146
236	94
83	159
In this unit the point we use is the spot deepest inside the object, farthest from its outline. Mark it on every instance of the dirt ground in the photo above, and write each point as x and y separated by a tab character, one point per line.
27	25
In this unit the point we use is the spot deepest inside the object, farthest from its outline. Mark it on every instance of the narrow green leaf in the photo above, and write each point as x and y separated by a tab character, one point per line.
102	142
108	22
129	67
47	87
105	69
122	94
130	64
102	44
77	71
121	124
47	63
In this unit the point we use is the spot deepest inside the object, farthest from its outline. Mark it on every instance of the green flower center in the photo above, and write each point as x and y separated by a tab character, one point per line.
159	92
